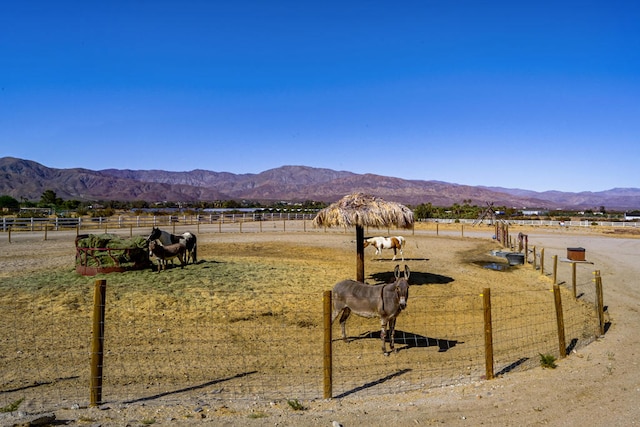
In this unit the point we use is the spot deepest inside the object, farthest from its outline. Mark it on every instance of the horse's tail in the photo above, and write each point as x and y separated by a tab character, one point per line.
195	250
192	244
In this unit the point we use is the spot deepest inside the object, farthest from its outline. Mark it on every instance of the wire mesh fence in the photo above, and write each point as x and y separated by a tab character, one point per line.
264	345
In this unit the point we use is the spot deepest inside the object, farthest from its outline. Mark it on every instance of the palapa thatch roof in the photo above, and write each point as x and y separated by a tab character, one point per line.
363	210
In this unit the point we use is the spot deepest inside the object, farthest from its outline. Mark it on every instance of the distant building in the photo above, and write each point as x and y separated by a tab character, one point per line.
632	216
37	211
535	212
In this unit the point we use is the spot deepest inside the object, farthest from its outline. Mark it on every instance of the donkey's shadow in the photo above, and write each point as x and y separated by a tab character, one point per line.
411	340
416	278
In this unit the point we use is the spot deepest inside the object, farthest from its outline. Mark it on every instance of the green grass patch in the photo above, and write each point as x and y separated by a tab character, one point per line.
547	361
13	406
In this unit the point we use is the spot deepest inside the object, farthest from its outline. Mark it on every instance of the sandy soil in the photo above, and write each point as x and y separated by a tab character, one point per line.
599	385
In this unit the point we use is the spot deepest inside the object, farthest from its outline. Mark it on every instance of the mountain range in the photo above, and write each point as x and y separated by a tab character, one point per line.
26	179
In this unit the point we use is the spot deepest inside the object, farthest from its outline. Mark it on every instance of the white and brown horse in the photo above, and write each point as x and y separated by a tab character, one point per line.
394	242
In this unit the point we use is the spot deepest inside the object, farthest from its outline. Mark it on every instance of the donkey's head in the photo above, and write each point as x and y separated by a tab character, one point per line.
402	285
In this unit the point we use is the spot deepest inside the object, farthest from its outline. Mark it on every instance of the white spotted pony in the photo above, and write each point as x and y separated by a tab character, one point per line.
394	242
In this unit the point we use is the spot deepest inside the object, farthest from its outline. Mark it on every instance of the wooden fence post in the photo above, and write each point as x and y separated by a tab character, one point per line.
9	233
574	279
555	269
599	302
488	333
562	346
328	356
534	258
542	261
97	342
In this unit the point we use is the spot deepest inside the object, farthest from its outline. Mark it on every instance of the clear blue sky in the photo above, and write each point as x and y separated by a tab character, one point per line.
534	95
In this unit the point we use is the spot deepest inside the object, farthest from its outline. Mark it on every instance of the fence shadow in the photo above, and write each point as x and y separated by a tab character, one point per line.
195	387
411	340
416	278
372	383
511	366
38	384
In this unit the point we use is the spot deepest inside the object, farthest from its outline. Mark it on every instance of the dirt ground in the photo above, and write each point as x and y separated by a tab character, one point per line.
597	385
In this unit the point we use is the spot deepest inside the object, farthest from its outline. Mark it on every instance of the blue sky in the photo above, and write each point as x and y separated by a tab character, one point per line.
533	95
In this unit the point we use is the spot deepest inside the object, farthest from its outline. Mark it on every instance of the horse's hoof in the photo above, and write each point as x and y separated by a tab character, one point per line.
386	353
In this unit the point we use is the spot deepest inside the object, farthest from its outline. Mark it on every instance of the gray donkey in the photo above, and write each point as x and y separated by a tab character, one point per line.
383	301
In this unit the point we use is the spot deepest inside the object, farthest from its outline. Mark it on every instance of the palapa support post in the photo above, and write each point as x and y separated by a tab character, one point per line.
360	253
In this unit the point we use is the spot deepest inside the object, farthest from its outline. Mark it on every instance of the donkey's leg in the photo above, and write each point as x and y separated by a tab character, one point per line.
343	321
392	333
383	336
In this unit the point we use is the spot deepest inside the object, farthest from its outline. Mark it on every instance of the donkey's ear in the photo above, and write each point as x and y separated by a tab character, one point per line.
407	272
396	271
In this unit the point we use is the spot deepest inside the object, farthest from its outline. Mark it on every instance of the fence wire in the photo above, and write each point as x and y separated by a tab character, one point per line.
227	345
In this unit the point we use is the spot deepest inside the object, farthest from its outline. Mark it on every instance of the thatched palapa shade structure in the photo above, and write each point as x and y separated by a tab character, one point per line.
362	210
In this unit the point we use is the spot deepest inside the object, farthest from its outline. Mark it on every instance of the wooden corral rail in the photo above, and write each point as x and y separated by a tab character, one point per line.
143	221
